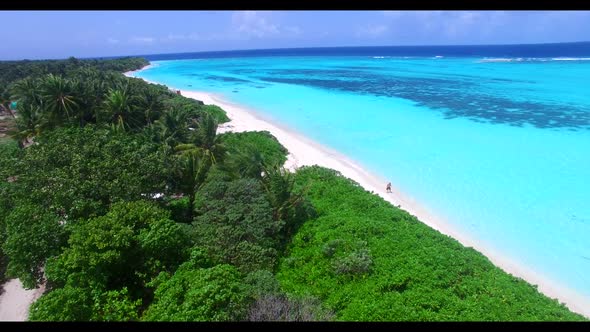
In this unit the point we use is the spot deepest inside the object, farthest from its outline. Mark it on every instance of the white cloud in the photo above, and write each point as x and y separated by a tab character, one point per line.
254	24
293	30
112	41
495	21
464	23
194	36
372	30
142	40
458	23
460	26
244	25
446	26
176	37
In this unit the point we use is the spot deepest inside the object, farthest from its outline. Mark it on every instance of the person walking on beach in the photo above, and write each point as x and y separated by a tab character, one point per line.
388	187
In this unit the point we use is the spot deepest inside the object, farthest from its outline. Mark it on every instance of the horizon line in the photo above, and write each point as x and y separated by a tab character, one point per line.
293	48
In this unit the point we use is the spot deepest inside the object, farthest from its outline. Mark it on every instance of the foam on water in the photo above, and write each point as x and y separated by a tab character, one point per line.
570	59
531	59
498	148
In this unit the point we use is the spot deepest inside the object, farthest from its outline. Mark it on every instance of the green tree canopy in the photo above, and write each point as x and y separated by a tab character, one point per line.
71	304
235	225
127	247
250	152
195	294
33	234
79	172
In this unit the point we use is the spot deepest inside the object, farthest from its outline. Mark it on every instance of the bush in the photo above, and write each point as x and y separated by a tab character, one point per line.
273	307
83	305
200	294
262	282
9	156
331	246
252	147
62	305
234	224
216	112
179	209
357	263
33	235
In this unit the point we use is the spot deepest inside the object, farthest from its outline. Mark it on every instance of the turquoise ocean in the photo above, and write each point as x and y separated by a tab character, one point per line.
499	146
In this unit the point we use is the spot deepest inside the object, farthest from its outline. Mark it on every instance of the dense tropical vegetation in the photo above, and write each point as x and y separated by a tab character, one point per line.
121	197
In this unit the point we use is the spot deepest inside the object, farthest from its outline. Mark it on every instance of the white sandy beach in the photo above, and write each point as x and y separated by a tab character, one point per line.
304	152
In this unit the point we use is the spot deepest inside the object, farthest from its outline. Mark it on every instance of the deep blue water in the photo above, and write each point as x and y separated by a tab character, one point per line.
495	139
518	50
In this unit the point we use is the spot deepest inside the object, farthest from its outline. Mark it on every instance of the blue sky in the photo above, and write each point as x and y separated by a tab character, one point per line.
60	34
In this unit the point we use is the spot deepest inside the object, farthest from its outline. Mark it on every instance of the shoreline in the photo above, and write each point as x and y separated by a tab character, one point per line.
304	152
131	72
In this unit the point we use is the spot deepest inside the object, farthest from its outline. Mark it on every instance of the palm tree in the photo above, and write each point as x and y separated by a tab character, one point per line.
26	91
84	111
5	105
57	95
172	127
246	163
286	202
90	89
205	138
95	91
191	171
278	184
117	109
30	123
149	102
